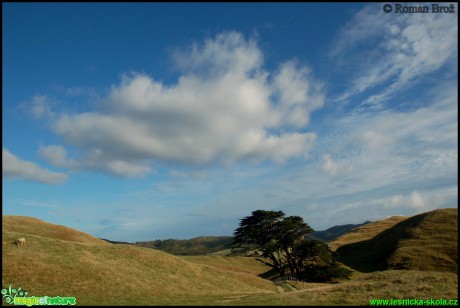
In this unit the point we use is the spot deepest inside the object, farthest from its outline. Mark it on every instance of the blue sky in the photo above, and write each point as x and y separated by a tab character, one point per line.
142	121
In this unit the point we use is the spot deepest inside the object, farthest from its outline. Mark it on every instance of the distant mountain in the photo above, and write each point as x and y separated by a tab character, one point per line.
334	232
427	242
195	246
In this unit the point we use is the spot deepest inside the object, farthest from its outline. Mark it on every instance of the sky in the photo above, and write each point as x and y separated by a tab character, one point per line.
144	121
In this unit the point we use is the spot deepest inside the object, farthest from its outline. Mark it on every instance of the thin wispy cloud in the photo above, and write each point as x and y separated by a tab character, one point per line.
393	52
39	107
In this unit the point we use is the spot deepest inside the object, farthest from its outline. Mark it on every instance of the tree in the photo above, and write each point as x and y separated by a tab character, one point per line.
259	229
310	255
275	236
281	240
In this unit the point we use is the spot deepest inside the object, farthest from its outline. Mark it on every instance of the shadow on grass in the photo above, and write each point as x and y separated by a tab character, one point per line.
271	274
372	255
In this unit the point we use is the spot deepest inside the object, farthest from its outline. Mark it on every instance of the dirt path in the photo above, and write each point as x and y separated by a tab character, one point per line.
312	289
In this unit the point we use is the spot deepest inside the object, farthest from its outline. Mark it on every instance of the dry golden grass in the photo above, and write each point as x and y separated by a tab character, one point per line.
432	244
365	232
28	225
360	290
428	241
235	264
108	273
99	273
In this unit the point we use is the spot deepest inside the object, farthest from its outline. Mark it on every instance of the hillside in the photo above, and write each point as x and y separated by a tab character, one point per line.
233	263
427	242
76	264
365	232
334	232
28	225
195	246
100	273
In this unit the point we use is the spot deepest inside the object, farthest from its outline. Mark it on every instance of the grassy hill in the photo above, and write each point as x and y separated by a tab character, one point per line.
395	284
28	225
59	261
428	242
365	232
195	246
235	264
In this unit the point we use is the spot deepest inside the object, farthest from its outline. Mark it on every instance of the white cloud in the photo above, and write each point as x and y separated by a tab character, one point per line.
334	167
39	106
329	165
405	48
295	91
14	167
375	140
415	200
224	108
402	162
199	175
56	155
94	160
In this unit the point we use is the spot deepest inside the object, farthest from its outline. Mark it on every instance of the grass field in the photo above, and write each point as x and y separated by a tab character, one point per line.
236	264
108	273
427	241
59	261
365	232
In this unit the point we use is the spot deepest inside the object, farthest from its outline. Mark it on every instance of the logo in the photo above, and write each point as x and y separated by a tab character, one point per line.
19	297
419	9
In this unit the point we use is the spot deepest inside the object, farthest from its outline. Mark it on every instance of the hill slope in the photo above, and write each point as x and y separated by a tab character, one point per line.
94	270
365	232
28	225
427	242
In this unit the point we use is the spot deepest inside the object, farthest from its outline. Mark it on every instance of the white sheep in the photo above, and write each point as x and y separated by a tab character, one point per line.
20	241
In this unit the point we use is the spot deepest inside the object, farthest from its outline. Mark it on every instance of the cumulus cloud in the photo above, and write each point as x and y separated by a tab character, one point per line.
94	160
415	200
14	167
403	50
56	155
294	90
224	108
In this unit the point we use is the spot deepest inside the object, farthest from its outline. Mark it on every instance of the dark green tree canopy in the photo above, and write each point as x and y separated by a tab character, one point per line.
281	241
258	228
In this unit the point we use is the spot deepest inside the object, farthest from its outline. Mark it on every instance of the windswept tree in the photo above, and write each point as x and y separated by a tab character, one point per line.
274	235
281	241
259	229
